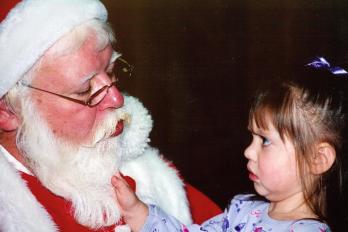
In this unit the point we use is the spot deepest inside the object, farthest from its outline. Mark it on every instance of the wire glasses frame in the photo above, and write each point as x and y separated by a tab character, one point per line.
98	95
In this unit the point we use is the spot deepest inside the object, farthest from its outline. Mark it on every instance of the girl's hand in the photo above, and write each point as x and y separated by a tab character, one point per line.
133	210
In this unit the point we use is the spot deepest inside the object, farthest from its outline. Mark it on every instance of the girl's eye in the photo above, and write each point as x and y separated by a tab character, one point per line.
265	141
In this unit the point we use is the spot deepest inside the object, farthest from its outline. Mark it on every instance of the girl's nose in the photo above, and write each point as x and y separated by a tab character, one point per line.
249	152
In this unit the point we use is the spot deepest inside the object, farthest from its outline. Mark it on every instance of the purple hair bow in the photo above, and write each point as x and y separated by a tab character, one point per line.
321	63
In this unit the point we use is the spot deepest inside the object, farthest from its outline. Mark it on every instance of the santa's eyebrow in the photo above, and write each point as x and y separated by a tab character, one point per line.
114	56
88	77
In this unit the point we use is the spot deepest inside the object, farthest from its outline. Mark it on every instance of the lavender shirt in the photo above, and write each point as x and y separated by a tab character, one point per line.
243	214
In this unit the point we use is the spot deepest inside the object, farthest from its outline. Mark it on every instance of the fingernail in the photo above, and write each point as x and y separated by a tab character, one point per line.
113	180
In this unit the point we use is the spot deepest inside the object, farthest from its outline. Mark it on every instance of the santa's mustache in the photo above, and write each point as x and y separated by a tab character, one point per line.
108	126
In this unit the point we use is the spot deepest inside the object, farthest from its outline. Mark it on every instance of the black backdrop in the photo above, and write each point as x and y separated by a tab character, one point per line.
197	61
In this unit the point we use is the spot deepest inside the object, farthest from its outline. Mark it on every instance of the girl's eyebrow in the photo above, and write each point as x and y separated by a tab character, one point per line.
253	132
250	129
258	131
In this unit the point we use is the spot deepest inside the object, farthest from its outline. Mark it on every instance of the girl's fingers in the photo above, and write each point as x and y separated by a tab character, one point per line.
119	183
125	194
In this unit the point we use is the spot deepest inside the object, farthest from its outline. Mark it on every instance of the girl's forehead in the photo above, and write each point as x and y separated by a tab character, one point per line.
261	121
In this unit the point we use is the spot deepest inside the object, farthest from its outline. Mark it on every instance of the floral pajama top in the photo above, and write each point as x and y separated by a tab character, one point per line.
243	214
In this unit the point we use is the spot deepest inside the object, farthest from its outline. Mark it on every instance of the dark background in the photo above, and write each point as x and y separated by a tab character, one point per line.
197	63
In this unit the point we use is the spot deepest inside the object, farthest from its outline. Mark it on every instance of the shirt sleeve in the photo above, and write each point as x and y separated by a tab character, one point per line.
158	221
309	226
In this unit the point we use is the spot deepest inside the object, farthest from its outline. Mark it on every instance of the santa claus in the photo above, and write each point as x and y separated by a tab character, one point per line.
66	128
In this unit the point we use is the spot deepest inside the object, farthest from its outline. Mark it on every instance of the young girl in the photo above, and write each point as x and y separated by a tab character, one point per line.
296	137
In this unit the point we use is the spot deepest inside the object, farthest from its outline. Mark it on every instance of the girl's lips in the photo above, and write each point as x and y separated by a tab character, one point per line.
253	177
119	129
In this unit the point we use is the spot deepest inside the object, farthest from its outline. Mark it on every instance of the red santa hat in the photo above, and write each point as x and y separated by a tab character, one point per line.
29	27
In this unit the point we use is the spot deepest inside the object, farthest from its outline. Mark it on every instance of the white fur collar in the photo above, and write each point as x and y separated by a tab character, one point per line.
19	210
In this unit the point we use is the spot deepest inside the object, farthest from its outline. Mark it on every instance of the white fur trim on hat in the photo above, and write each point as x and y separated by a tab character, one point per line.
35	25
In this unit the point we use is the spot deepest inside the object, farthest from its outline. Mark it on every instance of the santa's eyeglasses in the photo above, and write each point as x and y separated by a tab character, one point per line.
122	69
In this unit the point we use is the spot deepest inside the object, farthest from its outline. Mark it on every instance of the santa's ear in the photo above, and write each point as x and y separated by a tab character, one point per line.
325	156
8	120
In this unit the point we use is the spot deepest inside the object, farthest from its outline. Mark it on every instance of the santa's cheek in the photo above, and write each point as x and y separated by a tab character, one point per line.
76	127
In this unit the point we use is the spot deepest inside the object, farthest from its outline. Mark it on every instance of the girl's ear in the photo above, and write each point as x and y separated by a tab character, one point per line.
323	159
8	120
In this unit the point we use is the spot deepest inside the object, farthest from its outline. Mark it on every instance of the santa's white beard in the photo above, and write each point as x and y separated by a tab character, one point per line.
80	174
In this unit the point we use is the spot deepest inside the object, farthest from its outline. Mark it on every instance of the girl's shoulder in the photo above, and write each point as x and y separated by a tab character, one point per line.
309	225
250	212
